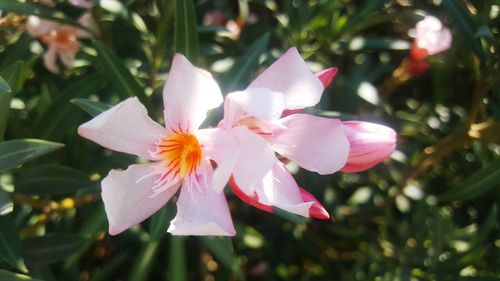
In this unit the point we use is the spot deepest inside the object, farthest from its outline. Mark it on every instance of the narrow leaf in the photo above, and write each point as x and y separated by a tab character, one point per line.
177	259
52	180
10	245
93	108
6	205
122	80
52	247
4	86
17	152
29	8
186	29
144	261
240	73
11	276
476	185
222	249
60	116
468	28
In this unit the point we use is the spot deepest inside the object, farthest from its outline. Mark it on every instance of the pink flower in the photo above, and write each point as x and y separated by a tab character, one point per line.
432	38
62	40
370	144
315	143
181	155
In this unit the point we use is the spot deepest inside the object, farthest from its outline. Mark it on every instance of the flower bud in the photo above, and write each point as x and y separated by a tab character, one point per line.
370	144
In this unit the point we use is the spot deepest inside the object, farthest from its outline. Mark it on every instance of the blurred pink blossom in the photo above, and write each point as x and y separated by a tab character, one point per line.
181	155
61	40
431	38
370	144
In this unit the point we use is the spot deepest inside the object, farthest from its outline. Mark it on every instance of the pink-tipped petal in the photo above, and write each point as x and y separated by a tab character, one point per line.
129	197
250	200
291	76
222	147
279	189
189	93
317	210
317	144
370	144
255	159
126	127
326	76
201	210
260	103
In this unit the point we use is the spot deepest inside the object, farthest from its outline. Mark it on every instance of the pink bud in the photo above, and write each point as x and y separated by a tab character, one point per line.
326	76
370	144
317	210
432	38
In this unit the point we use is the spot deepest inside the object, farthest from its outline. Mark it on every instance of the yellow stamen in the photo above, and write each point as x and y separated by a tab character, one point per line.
181	153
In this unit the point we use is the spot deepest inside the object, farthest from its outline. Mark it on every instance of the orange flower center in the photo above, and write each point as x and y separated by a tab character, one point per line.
181	153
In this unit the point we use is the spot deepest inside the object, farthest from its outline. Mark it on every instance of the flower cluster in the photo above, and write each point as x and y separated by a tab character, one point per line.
260	122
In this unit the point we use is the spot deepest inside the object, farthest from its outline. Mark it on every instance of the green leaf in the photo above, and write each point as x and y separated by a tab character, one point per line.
4	86
93	227
11	276
52	180
186	29
468	28
6	205
476	185
93	108
177	259
158	223
28	8
241	71
52	248
10	245
60	116
14	76
144	261
16	152
123	82
222	249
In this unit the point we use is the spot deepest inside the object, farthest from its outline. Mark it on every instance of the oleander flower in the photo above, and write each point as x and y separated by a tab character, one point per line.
181	156
315	143
431	38
370	144
61	40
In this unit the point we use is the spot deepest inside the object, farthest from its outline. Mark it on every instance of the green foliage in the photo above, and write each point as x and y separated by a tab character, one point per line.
429	213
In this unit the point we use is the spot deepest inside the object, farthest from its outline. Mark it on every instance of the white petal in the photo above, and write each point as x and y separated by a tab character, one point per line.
125	127
200	210
222	147
279	189
316	143
255	159
188	95
260	103
129	197
291	76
